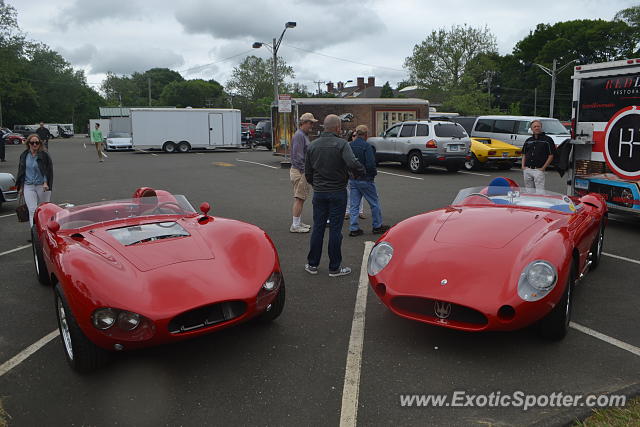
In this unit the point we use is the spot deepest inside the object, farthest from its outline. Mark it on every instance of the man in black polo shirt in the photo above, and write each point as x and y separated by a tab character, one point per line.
537	155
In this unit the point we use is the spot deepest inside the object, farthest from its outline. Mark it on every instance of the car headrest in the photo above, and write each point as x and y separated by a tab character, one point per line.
498	187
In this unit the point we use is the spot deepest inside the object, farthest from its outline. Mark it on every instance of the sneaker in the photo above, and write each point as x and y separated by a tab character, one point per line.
302	224
380	230
311	269
354	233
342	271
346	216
298	229
362	215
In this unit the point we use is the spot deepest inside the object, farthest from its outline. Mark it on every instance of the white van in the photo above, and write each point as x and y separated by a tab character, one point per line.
515	130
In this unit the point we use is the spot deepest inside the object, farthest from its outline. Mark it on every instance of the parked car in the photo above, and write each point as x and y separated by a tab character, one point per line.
116	141
8	191
150	270
516	129
12	138
499	257
25	130
492	152
263	134
418	144
248	132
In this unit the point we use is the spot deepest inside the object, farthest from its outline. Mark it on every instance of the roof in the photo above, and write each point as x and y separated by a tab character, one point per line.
361	101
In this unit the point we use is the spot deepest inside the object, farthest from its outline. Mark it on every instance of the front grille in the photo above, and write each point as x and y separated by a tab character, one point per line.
206	316
425	307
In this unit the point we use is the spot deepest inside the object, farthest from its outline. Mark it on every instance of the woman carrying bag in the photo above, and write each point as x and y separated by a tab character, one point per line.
35	175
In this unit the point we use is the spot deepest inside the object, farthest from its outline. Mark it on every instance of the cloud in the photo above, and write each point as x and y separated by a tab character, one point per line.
79	56
241	20
127	61
83	12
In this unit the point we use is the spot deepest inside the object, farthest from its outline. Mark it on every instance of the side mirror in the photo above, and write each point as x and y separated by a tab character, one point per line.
383	134
205	208
53	226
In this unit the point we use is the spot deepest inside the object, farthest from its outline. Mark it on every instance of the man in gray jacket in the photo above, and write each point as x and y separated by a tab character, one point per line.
327	164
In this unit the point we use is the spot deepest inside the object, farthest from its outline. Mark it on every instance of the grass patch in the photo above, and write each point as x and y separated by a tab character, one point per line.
4	417
614	417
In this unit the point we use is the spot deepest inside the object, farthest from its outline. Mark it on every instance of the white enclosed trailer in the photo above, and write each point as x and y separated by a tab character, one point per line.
105	126
181	129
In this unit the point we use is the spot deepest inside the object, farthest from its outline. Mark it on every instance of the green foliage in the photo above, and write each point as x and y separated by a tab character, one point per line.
386	91
193	93
440	60
630	15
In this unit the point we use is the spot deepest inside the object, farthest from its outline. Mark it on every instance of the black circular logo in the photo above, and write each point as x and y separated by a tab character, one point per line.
623	144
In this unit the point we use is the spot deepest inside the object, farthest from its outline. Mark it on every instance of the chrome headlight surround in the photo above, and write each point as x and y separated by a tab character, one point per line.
537	280
379	257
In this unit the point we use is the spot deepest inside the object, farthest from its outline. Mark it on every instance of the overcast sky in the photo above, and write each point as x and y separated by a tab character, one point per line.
333	41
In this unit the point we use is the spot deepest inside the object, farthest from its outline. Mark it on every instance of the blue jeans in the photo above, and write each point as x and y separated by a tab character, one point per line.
327	206
367	189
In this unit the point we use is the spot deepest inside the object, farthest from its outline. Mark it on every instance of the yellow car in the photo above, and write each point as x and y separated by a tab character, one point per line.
488	151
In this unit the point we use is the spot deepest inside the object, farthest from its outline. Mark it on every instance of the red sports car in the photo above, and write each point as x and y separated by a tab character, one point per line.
498	258
150	270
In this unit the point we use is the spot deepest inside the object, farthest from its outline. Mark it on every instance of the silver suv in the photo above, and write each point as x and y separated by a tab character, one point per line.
418	144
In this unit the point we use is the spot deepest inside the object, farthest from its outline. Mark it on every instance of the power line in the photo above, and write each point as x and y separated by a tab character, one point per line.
213	63
343	59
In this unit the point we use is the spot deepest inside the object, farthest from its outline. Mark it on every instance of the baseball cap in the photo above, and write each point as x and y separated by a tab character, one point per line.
307	117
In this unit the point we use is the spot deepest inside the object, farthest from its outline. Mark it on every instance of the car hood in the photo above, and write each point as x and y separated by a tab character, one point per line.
496	144
480	228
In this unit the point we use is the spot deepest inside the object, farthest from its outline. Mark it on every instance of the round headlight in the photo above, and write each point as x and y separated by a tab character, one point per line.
379	258
104	318
272	282
128	321
541	275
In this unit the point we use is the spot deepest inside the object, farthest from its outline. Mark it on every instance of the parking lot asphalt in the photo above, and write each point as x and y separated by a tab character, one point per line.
292	371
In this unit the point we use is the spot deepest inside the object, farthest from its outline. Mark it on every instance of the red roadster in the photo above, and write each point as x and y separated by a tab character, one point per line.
498	258
150	270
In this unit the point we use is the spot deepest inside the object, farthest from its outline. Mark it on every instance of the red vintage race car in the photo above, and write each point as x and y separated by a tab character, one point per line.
150	270
498	258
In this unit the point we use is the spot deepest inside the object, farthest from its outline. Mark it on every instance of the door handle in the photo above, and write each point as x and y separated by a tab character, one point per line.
210	128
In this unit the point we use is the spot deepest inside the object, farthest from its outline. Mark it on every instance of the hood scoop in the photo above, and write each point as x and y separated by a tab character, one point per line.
490	228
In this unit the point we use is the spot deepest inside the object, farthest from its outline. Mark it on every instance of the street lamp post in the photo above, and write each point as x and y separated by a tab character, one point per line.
275	45
553	72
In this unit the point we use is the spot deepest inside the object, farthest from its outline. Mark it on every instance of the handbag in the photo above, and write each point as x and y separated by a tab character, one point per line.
22	210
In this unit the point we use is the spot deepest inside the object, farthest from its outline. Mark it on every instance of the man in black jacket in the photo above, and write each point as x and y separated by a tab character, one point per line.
327	164
537	154
44	135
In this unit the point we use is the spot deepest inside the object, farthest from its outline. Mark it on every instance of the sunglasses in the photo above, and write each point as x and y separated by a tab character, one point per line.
34	142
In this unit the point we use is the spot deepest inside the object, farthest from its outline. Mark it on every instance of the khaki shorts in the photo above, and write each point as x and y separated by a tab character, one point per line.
300	185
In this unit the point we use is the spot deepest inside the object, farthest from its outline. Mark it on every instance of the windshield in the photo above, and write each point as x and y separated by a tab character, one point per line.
99	212
553	127
147	232
118	135
450	130
507	197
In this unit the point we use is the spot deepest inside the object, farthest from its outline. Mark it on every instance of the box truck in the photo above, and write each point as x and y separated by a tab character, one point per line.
606	133
181	129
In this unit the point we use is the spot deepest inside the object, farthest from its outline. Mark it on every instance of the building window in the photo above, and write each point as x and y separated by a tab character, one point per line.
386	119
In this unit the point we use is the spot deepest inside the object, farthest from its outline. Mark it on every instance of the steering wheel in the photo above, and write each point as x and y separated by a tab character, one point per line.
479	194
174	208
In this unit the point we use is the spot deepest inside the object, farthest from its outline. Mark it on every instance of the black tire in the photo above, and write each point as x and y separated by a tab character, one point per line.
453	167
183	147
472	163
415	162
505	166
596	248
276	307
82	355
169	147
556	324
38	259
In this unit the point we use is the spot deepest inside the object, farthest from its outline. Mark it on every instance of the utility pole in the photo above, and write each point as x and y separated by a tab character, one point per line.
149	86
553	72
0	111
319	83
535	101
489	76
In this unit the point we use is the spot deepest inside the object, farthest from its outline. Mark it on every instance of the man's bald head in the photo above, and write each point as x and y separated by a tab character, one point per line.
332	123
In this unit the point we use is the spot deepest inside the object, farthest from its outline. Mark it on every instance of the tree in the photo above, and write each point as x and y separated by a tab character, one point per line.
194	93
253	78
630	15
386	91
439	62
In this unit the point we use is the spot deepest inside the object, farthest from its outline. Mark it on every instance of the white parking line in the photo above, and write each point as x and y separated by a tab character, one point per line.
24	354
403	176
351	389
474	173
620	344
7	215
19	248
621	257
256	163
